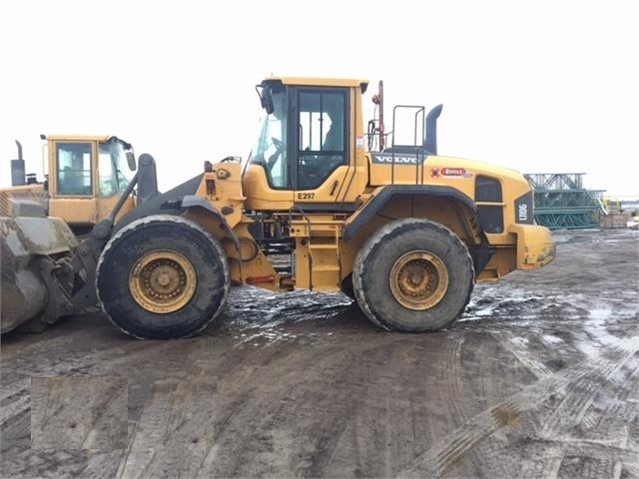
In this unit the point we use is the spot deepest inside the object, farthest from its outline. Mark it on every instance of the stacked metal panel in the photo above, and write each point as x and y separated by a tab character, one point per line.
562	202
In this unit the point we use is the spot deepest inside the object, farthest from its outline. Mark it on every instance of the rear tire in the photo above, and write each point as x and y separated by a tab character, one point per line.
413	275
162	277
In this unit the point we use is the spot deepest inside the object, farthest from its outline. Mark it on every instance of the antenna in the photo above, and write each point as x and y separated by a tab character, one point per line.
44	145
379	101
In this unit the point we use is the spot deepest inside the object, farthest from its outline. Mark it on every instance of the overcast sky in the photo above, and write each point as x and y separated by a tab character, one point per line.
539	86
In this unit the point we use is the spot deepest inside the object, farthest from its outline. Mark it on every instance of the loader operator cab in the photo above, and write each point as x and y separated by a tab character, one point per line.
87	175
76	169
303	151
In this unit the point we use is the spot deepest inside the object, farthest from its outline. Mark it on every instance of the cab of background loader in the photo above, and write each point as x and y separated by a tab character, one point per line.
85	177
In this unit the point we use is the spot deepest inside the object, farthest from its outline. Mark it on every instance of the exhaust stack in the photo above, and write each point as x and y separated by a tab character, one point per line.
431	129
18	176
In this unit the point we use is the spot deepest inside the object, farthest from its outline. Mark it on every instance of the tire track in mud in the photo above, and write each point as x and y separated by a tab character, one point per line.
168	431
492	385
551	460
187	426
515	345
573	407
67	463
453	385
620	417
312	420
386	427
10	390
544	464
299	427
32	345
453	388
97	363
393	421
602	447
443	456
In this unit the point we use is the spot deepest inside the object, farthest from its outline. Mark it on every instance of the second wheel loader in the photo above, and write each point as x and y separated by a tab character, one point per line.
87	186
85	176
402	230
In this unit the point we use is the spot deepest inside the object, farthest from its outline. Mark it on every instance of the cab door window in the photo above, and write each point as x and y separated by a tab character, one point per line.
271	149
322	135
74	172
108	179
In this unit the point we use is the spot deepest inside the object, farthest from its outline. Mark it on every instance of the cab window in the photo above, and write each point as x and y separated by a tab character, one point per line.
322	135
271	148
74	175
113	169
108	179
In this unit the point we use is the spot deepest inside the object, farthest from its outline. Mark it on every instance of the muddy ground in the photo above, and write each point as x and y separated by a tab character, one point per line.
540	378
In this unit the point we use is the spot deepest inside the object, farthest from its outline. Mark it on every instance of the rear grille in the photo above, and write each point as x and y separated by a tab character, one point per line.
5	204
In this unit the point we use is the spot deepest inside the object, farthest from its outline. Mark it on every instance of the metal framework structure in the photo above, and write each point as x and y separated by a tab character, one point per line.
561	201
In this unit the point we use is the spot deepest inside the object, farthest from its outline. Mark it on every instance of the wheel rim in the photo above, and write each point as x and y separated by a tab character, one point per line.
419	280
162	281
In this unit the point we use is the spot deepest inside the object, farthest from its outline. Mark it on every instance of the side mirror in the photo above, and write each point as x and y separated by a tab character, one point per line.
267	100
130	158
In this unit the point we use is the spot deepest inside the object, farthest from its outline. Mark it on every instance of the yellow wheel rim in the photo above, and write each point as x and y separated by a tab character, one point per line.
419	280
162	281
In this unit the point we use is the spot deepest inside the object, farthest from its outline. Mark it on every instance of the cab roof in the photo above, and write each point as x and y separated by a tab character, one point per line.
61	137
318	81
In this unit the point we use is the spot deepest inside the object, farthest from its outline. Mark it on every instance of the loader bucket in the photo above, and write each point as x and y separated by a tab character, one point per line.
36	273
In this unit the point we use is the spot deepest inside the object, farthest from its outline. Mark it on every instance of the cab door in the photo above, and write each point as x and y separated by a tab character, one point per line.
321	147
111	181
73	182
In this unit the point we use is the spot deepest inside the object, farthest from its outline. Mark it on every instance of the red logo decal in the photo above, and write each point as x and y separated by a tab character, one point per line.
453	171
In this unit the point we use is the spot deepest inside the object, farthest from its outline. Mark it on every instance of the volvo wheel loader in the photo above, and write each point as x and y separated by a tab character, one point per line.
325	204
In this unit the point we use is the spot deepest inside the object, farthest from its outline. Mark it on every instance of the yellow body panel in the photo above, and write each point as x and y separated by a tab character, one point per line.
222	187
82	211
535	246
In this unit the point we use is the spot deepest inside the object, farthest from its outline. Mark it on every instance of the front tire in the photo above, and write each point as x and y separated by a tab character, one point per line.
413	275
162	277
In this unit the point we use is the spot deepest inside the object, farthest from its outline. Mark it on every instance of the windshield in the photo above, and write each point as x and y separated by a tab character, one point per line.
270	150
115	173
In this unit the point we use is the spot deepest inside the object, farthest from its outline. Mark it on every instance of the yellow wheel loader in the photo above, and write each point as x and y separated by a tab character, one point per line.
325	204
87	180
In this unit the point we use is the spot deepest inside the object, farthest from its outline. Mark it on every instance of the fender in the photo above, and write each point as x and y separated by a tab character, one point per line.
190	201
194	202
481	253
382	198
